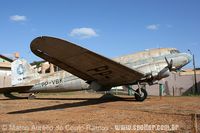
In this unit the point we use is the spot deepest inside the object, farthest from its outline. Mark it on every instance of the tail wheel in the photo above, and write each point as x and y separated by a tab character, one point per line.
31	96
141	96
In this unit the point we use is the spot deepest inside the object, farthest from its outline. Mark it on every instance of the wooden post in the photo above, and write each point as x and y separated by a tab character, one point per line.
194	123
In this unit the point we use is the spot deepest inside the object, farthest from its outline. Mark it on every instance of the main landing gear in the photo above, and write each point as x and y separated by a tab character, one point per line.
140	93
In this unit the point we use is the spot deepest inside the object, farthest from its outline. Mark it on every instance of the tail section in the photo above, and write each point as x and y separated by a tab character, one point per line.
22	73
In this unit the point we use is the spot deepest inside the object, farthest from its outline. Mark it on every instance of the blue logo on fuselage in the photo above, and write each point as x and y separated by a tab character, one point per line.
20	69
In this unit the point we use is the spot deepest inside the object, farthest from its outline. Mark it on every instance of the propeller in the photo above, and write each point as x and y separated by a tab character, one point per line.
169	64
164	72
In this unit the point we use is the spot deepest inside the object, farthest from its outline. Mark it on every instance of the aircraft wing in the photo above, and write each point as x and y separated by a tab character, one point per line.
84	63
15	89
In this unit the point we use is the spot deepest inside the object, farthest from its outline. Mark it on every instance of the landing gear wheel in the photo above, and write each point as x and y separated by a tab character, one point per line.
31	96
141	96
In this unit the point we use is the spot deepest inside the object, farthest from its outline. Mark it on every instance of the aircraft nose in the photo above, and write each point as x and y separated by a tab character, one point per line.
189	57
183	60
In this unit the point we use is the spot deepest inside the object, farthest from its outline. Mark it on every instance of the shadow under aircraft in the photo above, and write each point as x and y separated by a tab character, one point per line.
86	102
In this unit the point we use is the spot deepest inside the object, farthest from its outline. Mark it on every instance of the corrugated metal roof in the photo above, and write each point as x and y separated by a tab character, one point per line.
6	58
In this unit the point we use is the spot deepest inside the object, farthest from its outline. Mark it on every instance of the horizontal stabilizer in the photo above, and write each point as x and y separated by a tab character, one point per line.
15	89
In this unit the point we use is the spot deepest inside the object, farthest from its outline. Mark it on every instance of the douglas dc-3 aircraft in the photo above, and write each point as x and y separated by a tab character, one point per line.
91	70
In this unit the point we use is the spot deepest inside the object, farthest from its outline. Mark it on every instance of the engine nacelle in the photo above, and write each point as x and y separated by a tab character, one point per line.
163	74
97	87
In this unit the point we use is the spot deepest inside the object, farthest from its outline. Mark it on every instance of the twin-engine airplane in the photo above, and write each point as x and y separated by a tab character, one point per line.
91	70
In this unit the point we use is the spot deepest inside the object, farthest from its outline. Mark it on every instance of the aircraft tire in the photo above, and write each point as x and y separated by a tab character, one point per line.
31	96
143	95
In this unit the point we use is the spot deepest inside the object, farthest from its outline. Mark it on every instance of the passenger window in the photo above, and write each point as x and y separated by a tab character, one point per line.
174	51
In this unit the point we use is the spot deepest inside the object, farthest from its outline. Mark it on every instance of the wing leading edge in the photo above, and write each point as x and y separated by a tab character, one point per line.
83	63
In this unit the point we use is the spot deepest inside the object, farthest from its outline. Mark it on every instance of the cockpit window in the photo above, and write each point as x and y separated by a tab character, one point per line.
174	51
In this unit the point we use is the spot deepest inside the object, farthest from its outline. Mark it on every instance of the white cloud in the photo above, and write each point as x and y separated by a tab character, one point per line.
83	33
169	26
18	18
153	27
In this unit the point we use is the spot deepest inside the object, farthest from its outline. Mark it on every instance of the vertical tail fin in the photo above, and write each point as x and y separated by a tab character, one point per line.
22	73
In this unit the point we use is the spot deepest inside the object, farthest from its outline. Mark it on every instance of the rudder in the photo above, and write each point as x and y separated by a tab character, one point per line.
22	72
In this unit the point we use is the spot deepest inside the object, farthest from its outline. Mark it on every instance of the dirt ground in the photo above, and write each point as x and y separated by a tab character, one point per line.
90	112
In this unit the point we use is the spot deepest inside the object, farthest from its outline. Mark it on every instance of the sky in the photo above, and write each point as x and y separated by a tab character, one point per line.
109	27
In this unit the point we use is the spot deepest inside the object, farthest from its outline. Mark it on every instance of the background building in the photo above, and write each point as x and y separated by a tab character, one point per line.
177	84
5	71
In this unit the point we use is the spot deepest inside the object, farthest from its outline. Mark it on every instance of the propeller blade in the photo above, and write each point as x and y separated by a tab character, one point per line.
167	61
169	64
